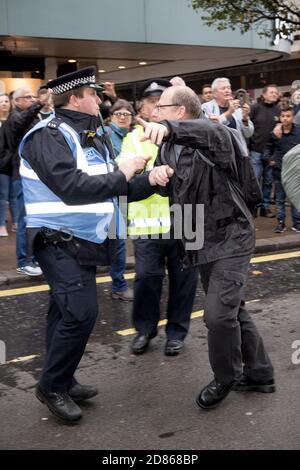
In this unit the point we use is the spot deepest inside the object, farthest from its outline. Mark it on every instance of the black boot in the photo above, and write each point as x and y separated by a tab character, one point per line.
211	395
245	384
80	392
173	347
60	404
140	343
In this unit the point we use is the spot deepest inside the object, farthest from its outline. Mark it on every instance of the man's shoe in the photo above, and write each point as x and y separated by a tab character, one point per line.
245	384
60	404
267	213
126	295
296	227
140	343
173	347
80	392
211	395
3	231
30	270
280	227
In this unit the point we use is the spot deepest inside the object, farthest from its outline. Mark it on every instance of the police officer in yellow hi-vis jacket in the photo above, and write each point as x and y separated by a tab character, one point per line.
149	223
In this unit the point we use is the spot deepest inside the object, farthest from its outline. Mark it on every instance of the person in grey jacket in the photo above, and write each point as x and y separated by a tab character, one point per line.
226	110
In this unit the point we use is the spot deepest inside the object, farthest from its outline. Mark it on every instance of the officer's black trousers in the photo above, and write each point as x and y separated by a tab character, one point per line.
72	314
151	259
234	344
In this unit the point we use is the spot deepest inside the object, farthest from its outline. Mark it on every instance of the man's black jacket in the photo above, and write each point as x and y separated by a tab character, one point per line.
228	226
50	157
278	147
18	123
264	116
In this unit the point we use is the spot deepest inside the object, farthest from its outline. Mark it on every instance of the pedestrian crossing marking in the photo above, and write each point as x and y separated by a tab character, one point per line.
107	279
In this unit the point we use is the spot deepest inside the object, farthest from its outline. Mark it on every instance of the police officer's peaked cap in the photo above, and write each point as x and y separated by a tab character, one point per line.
83	77
154	87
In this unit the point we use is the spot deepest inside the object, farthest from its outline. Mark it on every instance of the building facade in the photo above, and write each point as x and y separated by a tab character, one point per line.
127	40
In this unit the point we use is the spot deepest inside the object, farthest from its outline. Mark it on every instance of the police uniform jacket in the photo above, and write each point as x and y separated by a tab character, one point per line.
50	157
227	226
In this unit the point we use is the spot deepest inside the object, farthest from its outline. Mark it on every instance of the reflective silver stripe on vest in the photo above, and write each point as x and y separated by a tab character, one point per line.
150	222
37	208
92	170
81	161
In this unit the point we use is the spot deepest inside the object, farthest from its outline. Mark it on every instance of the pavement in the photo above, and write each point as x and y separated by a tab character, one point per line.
266	242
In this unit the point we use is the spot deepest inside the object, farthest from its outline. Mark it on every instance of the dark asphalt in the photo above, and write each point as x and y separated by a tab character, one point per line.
148	402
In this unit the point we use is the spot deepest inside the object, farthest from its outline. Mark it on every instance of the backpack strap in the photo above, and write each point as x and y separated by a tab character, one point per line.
206	160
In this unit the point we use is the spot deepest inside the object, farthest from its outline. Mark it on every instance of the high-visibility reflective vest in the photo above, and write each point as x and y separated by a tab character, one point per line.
45	209
152	215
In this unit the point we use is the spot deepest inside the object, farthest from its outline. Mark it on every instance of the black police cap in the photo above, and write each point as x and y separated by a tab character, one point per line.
83	77
154	87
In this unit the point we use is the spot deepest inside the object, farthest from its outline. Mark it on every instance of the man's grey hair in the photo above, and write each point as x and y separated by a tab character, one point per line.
177	81
215	84
185	96
20	91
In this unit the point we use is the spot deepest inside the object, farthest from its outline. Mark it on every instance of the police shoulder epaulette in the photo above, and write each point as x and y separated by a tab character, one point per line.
54	123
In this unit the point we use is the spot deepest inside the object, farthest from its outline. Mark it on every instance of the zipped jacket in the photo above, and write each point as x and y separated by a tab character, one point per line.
201	153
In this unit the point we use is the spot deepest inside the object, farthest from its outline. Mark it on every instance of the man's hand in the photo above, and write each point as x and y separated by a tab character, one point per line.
131	166
160	175
44	98
214	117
233	105
153	131
277	131
109	90
245	112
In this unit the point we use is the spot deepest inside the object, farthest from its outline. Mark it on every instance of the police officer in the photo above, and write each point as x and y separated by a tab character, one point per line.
155	249
69	190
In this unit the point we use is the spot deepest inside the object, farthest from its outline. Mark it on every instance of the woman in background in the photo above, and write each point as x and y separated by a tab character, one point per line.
7	193
121	122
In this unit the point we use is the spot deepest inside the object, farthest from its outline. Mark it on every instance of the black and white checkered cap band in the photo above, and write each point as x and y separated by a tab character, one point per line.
77	82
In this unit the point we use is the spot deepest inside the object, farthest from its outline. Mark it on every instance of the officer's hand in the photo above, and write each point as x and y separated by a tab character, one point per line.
131	166
153	131
160	175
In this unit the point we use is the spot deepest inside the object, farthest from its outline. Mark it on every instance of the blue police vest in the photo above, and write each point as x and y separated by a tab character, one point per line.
45	209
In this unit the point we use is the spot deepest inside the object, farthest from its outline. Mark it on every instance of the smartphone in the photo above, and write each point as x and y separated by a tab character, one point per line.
242	96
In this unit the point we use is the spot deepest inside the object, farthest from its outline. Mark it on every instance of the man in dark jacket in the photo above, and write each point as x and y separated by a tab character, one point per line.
23	117
69	191
276	148
201	153
264	115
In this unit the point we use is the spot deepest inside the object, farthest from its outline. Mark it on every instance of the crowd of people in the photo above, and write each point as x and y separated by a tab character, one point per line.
172	147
